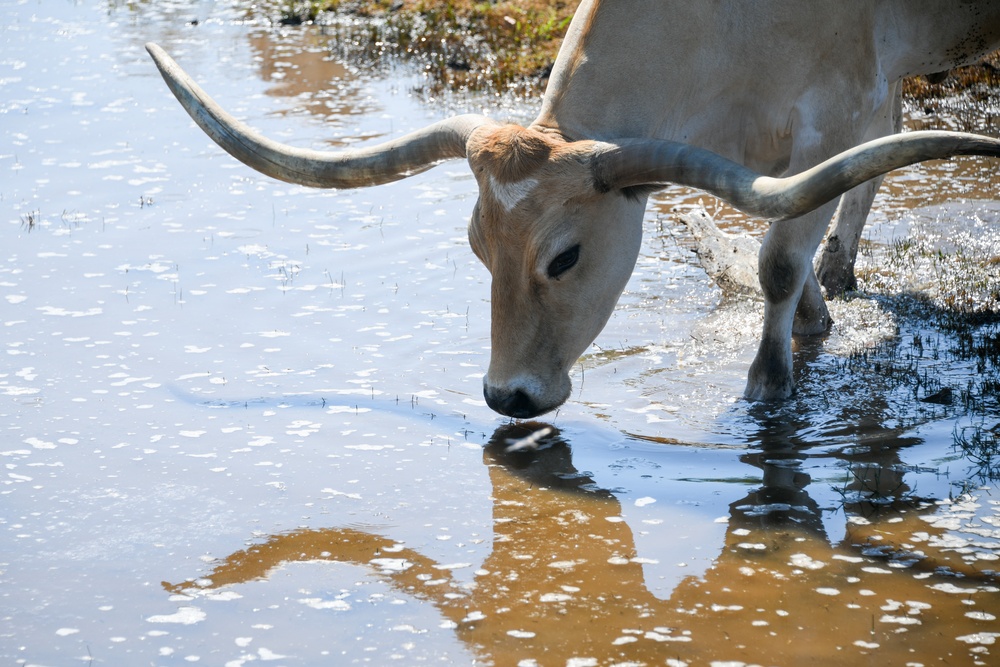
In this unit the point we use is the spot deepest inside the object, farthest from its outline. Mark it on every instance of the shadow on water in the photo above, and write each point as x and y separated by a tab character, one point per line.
563	581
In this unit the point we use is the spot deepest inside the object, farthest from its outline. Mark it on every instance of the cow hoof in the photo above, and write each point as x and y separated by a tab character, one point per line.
812	317
812	324
770	390
773	386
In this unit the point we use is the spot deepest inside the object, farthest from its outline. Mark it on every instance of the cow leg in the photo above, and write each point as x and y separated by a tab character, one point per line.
812	317
835	265
785	267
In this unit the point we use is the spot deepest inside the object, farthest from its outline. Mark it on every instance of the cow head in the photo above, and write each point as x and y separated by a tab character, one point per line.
558	223
560	252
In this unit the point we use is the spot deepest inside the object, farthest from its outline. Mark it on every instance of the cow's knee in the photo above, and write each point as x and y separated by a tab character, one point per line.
780	273
784	265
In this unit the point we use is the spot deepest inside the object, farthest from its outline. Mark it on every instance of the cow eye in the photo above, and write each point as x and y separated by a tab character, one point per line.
564	261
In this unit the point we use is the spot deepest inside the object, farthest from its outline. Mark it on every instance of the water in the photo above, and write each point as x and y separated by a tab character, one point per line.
243	420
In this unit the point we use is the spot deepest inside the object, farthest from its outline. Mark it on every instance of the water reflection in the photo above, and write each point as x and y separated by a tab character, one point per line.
563	580
874	485
302	69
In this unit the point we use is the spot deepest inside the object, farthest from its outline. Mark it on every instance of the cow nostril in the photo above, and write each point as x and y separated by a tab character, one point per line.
515	403
520	405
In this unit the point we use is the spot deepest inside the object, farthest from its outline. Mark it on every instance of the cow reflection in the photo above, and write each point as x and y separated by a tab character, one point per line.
563	582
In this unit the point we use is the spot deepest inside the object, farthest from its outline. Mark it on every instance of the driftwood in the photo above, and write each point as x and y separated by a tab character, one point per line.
728	259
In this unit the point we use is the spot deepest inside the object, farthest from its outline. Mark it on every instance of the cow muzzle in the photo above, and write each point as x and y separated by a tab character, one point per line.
525	399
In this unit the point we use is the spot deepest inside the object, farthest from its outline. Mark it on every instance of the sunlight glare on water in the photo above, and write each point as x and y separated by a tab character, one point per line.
243	420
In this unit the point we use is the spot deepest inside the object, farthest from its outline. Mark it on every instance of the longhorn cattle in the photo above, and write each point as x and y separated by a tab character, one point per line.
745	100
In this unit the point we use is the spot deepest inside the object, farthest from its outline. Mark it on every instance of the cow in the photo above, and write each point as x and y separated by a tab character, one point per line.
776	106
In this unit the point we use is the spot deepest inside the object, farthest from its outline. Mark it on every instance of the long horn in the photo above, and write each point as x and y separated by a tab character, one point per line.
386	162
655	162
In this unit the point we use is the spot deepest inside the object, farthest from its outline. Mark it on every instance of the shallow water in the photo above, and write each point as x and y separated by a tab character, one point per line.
243	420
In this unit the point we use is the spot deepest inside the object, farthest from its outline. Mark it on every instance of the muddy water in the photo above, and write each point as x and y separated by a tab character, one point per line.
242	421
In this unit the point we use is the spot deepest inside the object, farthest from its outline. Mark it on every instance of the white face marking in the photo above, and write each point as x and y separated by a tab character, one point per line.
511	194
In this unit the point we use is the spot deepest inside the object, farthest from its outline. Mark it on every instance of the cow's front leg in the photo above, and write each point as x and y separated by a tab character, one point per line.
785	267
